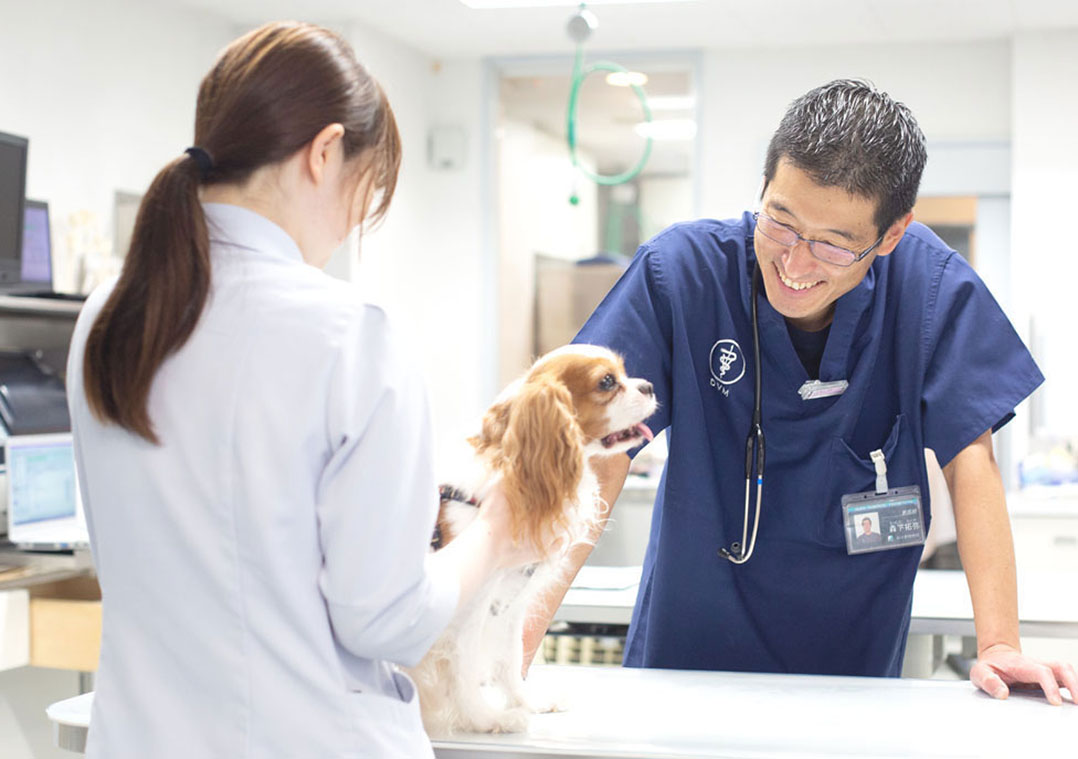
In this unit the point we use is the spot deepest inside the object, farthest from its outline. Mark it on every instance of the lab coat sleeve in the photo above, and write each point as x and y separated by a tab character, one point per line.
377	503
634	320
977	368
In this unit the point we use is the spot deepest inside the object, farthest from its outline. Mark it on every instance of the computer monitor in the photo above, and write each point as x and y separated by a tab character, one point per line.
44	505
36	265
13	154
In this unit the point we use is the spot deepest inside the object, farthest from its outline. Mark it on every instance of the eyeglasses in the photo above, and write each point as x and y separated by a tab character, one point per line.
824	251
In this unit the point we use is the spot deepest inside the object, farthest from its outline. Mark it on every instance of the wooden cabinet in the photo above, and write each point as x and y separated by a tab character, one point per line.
65	624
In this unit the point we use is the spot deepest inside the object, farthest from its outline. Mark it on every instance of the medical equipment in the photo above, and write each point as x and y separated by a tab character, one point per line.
740	552
580	28
32	397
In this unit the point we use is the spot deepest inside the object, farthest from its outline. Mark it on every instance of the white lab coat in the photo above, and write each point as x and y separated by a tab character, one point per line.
263	566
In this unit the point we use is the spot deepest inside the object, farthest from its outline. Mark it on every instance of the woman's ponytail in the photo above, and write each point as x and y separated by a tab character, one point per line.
156	303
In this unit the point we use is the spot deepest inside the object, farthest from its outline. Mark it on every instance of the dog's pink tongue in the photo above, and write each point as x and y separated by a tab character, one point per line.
644	430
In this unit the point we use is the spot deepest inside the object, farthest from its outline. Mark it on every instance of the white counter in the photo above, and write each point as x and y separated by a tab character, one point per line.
1047	604
648	714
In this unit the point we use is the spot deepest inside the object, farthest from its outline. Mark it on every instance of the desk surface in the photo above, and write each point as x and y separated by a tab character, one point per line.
1047	604
21	569
649	714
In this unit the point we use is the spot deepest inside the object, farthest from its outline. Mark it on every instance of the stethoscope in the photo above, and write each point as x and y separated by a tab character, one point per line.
741	552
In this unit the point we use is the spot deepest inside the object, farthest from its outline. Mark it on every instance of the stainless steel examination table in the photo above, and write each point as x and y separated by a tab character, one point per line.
614	712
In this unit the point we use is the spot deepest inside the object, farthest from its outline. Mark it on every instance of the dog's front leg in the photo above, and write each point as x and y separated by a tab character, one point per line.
517	692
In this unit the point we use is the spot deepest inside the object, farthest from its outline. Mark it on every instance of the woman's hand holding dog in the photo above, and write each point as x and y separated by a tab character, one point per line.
485	546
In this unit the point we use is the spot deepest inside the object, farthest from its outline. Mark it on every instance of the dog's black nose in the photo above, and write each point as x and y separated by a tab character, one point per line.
646	388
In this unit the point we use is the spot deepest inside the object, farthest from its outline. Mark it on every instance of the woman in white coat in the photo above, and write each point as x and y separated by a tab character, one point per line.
252	442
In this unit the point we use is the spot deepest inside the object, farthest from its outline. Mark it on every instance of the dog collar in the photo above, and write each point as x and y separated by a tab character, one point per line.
450	493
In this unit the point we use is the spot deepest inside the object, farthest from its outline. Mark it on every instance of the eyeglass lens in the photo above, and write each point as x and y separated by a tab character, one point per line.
785	236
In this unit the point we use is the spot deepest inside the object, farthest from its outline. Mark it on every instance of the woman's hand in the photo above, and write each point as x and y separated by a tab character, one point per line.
495	516
485	546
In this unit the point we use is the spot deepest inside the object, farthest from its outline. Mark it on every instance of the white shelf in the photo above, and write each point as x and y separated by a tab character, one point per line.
39	306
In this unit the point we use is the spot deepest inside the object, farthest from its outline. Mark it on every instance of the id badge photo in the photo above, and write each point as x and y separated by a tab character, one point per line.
885	518
880	522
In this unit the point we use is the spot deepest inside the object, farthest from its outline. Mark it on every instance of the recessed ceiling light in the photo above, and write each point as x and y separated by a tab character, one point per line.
488	4
672	102
667	129
626	78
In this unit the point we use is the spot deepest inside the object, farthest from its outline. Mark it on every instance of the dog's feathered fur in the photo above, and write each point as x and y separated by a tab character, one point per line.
536	440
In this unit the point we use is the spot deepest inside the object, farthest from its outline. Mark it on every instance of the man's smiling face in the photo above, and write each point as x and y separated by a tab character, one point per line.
799	286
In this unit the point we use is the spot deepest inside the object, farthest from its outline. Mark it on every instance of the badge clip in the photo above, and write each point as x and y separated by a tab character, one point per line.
881	471
815	389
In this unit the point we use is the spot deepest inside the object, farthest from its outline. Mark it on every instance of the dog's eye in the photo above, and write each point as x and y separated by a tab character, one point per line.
608	383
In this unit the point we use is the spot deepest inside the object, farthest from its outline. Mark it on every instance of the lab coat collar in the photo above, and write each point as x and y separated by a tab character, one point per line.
243	228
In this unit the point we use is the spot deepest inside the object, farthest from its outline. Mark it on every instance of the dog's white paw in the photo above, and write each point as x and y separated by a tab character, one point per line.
512	721
542	701
549	705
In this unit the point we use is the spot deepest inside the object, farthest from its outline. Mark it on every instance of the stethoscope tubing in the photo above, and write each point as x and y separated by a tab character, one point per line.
754	446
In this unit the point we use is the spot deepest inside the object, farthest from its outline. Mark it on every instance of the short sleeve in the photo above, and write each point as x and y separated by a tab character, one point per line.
634	320
377	501
977	368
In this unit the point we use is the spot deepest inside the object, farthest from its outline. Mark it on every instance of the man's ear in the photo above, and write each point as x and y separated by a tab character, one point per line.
894	234
319	151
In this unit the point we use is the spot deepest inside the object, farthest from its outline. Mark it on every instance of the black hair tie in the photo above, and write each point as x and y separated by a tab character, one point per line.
203	159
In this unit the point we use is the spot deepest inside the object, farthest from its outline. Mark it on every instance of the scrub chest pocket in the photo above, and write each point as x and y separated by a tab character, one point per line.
849	473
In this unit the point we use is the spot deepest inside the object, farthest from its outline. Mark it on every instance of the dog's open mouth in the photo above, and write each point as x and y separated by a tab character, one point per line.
637	432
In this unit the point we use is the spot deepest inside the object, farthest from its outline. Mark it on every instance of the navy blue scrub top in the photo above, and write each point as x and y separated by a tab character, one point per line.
932	362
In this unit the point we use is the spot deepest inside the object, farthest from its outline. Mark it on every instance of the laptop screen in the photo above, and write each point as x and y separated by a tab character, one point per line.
44	507
36	244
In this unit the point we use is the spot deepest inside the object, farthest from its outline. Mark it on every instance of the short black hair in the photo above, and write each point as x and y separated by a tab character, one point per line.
848	134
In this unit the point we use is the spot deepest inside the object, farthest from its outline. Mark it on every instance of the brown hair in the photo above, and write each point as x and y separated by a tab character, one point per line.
269	94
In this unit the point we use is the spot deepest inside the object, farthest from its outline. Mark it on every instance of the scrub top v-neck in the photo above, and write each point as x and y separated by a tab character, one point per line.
931	361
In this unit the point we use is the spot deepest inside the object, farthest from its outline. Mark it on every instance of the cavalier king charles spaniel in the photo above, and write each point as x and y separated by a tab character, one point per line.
536	440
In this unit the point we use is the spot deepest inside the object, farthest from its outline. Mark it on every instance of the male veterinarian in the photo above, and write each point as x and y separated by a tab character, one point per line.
875	342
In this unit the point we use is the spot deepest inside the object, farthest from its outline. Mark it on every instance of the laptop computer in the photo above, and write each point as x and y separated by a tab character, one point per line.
44	506
35	260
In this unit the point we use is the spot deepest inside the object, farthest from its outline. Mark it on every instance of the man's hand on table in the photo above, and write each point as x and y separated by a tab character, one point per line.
1001	667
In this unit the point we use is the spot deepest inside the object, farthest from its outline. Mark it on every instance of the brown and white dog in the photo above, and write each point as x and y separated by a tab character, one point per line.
574	403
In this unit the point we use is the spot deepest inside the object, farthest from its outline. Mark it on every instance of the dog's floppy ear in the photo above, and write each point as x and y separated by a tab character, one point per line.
541	459
489	439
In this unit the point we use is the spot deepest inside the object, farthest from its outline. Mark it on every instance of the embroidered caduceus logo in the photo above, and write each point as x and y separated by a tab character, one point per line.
727	365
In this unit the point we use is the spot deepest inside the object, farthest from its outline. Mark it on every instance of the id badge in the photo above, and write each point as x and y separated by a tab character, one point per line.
882	521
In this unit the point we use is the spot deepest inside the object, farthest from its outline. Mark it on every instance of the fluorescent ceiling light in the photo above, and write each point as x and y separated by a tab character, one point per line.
667	129
672	102
626	78
487	4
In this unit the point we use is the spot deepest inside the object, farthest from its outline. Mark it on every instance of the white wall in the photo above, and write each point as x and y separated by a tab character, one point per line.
1045	188
106	93
959	92
426	262
534	182
663	201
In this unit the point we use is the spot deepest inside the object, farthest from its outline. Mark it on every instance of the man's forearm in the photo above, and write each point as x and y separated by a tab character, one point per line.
984	543
611	472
